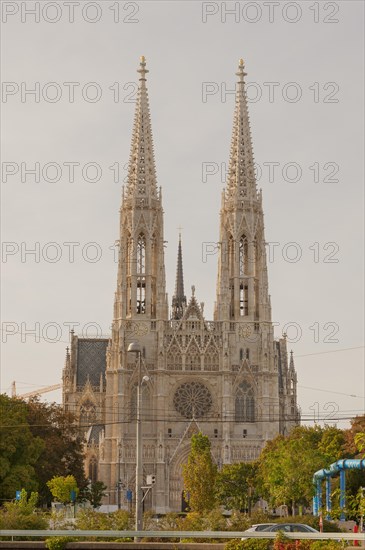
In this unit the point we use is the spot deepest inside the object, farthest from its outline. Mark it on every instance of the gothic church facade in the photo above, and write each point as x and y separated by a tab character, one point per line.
227	377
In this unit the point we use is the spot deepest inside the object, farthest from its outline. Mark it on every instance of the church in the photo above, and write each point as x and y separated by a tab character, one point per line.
227	377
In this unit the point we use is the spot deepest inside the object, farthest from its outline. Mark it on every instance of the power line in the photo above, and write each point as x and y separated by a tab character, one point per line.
329	351
306	418
332	391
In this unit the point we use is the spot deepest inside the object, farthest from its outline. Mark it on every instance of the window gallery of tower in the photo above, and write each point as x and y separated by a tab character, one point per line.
247	256
144	259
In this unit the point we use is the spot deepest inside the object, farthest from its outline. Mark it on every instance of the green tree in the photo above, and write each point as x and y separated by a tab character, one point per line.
95	493
352	439
63	488
287	464
360	443
199	475
63	453
19	448
235	485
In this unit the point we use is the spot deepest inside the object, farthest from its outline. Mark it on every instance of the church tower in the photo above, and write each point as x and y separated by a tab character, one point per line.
242	289
141	291
140	304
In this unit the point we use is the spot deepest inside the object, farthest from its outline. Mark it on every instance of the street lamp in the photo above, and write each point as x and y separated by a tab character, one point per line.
134	347
119	481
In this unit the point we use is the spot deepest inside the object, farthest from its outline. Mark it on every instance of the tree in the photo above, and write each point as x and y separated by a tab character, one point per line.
352	440
235	485
360	442
63	453
199	475
63	488
287	464
20	514
95	493
20	449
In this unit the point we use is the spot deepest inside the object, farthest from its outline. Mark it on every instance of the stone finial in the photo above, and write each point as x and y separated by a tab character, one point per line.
142	68
241	73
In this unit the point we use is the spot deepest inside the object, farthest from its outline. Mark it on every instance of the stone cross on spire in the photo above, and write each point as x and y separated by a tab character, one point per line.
241	73
142	69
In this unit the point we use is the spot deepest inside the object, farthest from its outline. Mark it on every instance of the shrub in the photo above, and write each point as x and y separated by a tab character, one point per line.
22	514
326	545
115	521
248	544
58	543
240	522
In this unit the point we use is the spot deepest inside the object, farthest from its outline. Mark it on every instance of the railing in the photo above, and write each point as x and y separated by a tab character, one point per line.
180	534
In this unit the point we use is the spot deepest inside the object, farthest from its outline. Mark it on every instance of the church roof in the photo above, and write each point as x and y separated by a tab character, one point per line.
91	360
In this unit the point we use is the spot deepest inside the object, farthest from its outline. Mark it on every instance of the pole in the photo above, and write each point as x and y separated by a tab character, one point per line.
119	480
342	494
139	451
134	347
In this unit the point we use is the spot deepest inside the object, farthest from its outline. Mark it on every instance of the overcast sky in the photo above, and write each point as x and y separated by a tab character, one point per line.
305	85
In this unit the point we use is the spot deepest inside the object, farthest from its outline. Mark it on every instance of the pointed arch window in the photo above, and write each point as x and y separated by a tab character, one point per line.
87	413
231	256
243	299
154	275
174	359
128	258
243	256
141	280
192	361
245	403
211	359
93	469
141	254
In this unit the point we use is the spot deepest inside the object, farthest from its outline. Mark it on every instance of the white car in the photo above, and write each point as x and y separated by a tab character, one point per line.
259	527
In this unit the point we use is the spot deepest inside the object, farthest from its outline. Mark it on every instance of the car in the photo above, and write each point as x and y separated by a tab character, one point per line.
291	528
259	527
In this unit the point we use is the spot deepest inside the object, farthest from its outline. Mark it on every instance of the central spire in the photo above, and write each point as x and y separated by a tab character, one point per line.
179	298
141	181
241	182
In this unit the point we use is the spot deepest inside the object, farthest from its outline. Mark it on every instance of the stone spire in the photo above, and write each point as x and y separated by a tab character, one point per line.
242	288
179	298
241	183
291	363
141	266
141	181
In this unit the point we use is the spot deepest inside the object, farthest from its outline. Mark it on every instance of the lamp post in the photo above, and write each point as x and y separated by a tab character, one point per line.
134	347
119	482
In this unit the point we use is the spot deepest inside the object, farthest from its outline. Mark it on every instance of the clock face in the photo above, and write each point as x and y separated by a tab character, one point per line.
192	400
245	331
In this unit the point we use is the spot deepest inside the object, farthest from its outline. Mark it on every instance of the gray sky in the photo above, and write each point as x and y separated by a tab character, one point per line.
305	84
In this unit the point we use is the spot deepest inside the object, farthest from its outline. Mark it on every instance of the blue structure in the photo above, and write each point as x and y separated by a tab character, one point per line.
337	467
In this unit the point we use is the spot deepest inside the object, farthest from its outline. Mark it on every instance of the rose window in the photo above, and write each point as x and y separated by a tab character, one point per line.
192	400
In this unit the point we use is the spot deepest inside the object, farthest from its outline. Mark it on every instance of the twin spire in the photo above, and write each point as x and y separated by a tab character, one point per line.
142	182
